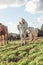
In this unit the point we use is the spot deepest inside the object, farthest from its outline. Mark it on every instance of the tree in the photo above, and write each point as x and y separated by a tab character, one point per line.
42	27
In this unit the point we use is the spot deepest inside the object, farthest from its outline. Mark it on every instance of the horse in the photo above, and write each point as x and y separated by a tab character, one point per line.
33	33
22	27
3	34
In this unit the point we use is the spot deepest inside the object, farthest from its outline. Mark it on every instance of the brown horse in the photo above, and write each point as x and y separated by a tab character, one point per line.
3	34
33	35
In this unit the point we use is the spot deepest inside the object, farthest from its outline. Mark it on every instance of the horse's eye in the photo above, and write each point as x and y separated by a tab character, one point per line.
23	22
20	22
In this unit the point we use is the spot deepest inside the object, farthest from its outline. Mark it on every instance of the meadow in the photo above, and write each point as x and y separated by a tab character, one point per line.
16	54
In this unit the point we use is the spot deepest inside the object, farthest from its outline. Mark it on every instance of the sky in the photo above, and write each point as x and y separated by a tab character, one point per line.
12	10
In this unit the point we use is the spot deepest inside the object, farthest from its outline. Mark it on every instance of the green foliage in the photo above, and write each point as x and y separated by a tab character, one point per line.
42	27
15	54
32	63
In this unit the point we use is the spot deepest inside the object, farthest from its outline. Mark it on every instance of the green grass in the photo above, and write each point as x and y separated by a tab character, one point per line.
15	54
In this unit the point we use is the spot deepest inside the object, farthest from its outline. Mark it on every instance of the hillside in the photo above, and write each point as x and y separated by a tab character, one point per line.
15	54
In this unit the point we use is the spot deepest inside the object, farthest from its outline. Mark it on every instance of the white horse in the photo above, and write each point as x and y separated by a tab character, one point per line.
22	27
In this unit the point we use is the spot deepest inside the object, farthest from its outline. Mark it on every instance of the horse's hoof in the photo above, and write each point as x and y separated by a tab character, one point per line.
23	44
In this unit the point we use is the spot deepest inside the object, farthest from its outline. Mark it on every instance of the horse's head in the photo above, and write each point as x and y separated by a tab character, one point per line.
21	21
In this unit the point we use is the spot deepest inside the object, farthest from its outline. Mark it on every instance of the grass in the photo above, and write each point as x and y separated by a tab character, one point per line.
15	54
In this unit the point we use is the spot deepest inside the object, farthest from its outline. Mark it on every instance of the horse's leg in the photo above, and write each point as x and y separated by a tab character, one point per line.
3	39
0	40
30	37
36	36
23	40
6	38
